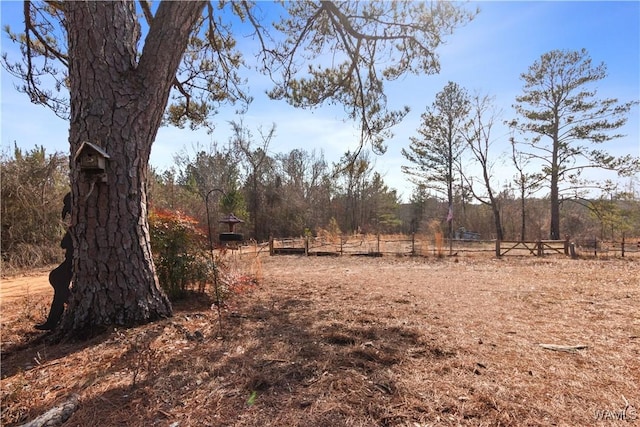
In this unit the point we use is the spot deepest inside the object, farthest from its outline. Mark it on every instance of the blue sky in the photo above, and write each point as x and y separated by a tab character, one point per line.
486	56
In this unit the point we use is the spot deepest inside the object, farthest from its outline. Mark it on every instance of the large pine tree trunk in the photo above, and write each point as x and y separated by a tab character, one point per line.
554	195
555	208
117	103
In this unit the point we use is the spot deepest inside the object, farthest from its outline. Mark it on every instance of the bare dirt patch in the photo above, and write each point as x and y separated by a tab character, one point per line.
354	341
32	282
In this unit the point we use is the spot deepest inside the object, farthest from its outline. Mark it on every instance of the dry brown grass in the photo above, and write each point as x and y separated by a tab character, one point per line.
355	341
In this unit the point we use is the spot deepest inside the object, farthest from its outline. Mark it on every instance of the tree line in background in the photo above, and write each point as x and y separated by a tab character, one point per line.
289	194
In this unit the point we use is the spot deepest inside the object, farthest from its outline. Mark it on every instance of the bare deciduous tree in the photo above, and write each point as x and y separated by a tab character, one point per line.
479	140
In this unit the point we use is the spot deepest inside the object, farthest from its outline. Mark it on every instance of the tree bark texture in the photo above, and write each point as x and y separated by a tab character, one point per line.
117	103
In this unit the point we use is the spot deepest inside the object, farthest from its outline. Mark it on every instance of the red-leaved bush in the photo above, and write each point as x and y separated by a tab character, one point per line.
179	252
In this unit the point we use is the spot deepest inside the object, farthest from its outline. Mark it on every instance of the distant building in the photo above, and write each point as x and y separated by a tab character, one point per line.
462	234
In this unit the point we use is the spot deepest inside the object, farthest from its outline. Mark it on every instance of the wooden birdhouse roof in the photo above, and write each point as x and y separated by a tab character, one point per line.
90	146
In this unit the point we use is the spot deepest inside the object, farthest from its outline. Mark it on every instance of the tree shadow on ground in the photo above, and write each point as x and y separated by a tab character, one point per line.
288	363
290	360
38	347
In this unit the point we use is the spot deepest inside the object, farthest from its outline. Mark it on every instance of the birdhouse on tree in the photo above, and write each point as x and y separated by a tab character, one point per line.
91	158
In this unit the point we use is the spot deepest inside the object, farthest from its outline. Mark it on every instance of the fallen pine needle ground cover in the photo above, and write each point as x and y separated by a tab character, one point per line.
354	341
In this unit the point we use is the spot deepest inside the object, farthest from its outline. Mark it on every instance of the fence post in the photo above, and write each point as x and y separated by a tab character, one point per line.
566	244
539	246
498	254
270	245
413	244
622	246
306	245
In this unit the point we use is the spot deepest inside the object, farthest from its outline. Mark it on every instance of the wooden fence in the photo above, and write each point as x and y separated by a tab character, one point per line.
421	245
354	245
537	248
376	246
597	247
